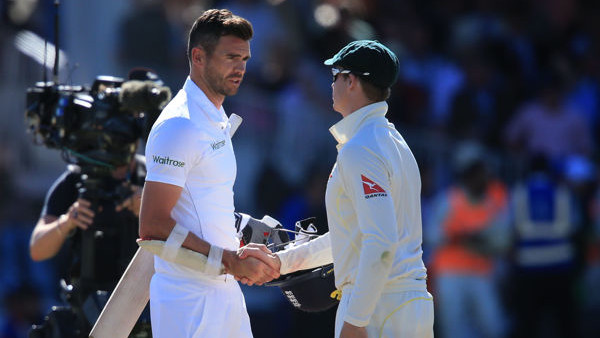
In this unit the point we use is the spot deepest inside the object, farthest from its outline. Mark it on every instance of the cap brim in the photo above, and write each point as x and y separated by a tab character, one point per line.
329	62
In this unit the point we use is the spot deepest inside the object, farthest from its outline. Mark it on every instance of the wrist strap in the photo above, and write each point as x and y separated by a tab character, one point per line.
213	265
174	241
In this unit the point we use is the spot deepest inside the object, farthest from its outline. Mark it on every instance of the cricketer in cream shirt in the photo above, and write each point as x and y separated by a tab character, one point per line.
373	213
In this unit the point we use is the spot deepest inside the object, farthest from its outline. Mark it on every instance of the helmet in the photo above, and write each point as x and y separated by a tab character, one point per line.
311	290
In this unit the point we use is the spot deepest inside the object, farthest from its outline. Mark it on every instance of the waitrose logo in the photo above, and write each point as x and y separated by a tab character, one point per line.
167	161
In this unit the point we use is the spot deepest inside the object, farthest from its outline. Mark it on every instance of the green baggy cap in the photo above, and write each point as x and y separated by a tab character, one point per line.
368	56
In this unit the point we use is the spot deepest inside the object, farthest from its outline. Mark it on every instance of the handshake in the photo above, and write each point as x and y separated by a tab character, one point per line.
260	239
252	264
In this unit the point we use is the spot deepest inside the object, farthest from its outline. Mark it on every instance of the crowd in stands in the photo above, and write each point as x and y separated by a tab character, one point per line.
498	99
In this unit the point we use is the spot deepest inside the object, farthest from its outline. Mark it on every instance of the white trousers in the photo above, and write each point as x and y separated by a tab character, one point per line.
407	314
198	308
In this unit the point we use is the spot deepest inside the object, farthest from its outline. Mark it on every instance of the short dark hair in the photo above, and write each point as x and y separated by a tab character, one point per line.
212	25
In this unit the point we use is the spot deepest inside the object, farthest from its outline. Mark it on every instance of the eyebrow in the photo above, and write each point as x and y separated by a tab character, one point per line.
238	55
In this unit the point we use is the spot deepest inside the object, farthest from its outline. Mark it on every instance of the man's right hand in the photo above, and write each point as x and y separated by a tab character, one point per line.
261	252
79	215
257	267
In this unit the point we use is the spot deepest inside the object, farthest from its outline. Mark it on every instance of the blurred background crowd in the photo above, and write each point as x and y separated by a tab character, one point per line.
498	99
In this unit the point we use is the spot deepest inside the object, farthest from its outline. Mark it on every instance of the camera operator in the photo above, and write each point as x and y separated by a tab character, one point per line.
110	216
64	211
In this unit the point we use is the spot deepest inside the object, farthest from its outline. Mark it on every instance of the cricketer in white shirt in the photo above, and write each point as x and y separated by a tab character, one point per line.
190	147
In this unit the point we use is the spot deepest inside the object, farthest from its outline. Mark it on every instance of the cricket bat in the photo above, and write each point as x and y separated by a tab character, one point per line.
128	300
132	293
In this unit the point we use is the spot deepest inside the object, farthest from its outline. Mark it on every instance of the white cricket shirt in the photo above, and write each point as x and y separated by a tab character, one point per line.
373	204
190	147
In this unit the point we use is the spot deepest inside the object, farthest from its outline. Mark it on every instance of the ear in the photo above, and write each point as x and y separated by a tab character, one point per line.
353	82
198	56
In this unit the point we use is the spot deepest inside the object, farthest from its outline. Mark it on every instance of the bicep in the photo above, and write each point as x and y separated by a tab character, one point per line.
158	199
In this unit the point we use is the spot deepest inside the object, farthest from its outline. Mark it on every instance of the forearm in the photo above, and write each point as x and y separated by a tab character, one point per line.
314	253
161	229
48	237
374	266
192	242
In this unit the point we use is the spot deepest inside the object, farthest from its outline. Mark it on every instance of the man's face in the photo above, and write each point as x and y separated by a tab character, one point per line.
339	86
226	66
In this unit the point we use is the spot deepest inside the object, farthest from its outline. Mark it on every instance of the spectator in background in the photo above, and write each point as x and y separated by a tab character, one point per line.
301	137
584	93
547	126
427	75
468	234
518	63
271	32
482	104
137	41
545	222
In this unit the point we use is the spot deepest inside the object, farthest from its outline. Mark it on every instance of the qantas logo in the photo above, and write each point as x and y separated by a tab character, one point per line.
371	188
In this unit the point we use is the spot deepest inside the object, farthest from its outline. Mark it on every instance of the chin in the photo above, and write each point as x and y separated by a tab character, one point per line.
335	107
231	92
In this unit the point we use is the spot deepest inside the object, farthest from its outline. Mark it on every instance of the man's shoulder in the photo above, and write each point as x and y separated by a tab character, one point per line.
365	138
354	150
177	109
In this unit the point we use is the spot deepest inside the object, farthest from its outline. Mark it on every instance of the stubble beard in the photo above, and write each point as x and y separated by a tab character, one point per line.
218	83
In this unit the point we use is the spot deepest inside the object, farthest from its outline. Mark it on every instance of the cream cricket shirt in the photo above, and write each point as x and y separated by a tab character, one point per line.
190	147
374	215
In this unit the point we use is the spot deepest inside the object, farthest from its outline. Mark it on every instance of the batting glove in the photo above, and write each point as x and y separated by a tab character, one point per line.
261	231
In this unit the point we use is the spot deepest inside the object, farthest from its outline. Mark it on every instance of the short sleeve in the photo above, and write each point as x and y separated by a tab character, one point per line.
61	195
172	149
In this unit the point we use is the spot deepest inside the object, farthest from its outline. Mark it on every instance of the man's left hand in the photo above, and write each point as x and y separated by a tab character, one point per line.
351	331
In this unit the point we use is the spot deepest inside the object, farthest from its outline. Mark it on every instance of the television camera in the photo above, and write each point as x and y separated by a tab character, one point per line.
98	126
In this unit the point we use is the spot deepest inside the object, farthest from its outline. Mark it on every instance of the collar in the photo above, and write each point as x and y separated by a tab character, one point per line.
203	109
345	129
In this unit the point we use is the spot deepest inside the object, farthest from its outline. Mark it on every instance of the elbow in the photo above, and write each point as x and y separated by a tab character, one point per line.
144	231
36	254
149	230
35	257
145	225
387	245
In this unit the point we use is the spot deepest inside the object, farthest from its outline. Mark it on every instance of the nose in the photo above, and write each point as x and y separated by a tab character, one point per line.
241	67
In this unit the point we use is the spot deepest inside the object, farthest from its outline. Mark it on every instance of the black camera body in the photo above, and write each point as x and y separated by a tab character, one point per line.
89	125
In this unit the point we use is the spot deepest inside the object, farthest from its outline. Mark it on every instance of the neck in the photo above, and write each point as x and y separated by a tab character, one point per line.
214	97
355	105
